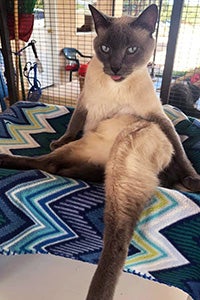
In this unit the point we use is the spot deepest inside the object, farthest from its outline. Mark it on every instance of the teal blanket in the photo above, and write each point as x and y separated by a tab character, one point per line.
48	214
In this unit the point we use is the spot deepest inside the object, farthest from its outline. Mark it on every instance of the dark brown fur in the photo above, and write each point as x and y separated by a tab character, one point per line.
184	97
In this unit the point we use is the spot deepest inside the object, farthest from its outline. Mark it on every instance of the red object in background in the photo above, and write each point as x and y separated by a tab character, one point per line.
195	78
26	22
72	67
82	70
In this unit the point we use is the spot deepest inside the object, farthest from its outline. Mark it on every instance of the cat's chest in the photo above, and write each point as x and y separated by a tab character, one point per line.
102	104
103	98
105	103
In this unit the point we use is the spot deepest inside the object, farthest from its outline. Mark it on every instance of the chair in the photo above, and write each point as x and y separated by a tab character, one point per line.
73	64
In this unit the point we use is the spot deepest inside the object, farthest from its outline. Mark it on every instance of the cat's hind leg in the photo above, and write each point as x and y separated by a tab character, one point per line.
45	162
132	171
84	159
180	171
82	170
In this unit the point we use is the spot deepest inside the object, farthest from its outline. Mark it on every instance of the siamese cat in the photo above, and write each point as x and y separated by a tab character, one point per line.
126	137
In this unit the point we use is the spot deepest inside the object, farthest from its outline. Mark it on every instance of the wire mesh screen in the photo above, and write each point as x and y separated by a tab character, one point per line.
69	24
188	47
185	86
60	25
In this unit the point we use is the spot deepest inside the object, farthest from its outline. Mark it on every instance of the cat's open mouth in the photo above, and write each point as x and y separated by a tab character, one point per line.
117	77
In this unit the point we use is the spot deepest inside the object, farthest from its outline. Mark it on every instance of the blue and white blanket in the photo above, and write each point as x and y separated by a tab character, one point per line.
44	213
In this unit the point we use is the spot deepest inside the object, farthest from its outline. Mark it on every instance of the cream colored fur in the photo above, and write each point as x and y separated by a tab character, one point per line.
139	153
103	98
95	146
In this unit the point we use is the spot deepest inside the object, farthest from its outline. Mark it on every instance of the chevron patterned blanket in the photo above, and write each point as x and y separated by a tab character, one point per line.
48	214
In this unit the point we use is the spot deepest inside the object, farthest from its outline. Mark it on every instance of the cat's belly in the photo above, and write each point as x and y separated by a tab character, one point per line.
103	112
98	143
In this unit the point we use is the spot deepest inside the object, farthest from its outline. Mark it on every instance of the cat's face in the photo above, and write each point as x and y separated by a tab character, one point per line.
124	44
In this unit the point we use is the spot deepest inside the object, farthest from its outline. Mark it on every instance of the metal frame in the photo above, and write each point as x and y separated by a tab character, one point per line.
7	54
171	49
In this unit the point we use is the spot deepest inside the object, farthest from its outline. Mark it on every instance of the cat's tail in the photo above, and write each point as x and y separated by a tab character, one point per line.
138	155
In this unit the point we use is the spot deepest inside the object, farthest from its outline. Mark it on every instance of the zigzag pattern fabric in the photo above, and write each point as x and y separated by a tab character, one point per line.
48	214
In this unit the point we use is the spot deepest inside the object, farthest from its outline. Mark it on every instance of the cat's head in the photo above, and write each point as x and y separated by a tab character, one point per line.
124	44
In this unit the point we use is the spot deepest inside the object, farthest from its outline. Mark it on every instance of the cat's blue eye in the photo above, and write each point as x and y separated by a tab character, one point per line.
105	48
132	50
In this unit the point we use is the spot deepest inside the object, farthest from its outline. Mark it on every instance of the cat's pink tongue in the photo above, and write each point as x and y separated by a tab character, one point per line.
116	77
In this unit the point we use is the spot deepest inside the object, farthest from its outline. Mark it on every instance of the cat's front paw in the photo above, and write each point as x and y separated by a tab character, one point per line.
55	144
192	183
62	141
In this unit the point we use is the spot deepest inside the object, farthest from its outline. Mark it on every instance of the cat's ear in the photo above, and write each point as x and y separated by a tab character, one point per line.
101	21
148	18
